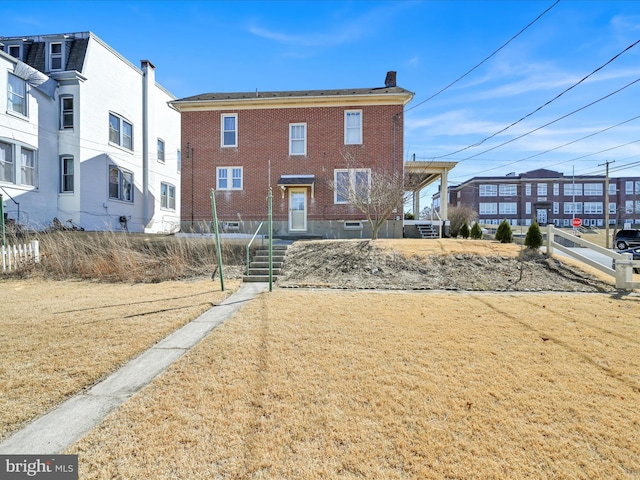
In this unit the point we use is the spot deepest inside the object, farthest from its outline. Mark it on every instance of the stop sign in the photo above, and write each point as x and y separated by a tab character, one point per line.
576	222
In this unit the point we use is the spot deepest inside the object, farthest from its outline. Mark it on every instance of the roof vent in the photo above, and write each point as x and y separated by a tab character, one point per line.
390	81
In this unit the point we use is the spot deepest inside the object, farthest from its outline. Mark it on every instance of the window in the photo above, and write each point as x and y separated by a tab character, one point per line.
508	190
229	133
556	189
542	189
628	188
120	131
55	56
628	206
17	95
66	174
488	190
612	207
28	166
6	162
161	150
556	208
14	51
527	208
593	189
592	208
167	196
612	189
351	183
569	207
571	189
527	189
179	153
229	178
353	127
637	187
508	208
120	184
18	164
297	139
488	208
66	112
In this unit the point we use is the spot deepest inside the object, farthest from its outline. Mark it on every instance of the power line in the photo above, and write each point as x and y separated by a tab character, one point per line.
561	146
483	61
543	105
551	122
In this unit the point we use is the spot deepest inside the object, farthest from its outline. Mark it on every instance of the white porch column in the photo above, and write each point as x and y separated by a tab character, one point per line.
416	204
443	195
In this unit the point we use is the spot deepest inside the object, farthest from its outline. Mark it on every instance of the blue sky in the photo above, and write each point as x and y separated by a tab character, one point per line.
219	46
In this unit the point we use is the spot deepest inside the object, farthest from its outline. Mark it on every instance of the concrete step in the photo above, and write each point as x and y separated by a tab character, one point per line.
260	258
263	271
258	278
265	264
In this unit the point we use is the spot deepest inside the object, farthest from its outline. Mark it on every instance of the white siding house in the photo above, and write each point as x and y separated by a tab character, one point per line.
107	141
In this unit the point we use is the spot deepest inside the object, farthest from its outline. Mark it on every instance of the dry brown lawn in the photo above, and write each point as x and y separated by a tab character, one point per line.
334	384
57	338
338	384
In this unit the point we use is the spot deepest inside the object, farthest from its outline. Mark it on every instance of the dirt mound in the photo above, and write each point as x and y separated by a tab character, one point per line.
365	265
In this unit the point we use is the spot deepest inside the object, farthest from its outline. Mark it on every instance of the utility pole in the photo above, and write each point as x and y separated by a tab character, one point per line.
606	202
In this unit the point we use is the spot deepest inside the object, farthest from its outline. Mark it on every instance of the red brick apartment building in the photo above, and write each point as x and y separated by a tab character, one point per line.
299	143
548	196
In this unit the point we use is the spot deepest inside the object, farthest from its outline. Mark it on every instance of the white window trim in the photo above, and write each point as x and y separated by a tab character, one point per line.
62	112
51	56
229	171
222	130
352	179
167	198
161	154
121	136
121	173
25	98
488	208
508	190
17	166
304	153
19	47
487	190
346	113
63	175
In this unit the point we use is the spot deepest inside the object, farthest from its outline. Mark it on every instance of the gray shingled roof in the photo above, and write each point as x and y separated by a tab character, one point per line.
295	94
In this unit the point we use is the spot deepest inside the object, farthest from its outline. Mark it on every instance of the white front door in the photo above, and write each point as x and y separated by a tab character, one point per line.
542	216
297	209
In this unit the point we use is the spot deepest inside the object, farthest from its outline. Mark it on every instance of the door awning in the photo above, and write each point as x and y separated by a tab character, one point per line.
297	181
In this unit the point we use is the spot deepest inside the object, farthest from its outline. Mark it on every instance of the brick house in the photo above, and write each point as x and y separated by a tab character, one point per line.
299	143
549	197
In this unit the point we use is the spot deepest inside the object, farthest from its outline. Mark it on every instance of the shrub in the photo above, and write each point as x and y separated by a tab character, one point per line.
504	233
533	239
464	230
457	216
476	231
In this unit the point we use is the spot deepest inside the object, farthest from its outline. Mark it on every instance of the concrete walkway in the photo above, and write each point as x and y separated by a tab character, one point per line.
60	428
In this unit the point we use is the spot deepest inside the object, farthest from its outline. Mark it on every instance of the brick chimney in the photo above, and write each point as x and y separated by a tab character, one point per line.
390	81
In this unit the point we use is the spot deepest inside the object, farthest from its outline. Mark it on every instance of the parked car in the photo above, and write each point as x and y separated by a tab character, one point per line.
625	239
636	256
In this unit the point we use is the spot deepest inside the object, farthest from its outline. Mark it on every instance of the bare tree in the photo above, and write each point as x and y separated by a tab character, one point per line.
377	194
458	215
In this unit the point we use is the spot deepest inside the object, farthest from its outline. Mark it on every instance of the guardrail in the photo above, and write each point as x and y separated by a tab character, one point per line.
624	262
250	242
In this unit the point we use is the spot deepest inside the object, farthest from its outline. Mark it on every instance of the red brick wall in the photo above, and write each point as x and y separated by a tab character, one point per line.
263	135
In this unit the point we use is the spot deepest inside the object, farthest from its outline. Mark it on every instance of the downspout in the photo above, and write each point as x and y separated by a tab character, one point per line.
147	78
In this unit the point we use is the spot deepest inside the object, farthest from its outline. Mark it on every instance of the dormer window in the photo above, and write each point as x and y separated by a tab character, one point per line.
14	51
55	56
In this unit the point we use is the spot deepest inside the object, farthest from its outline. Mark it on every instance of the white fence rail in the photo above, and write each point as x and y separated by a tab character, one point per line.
624	262
15	256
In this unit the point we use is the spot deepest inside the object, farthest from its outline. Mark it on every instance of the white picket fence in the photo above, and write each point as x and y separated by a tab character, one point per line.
14	256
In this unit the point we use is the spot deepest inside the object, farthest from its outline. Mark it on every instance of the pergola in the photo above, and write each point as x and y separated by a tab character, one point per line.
421	174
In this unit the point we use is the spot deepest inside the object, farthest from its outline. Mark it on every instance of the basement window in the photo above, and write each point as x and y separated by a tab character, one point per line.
353	225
